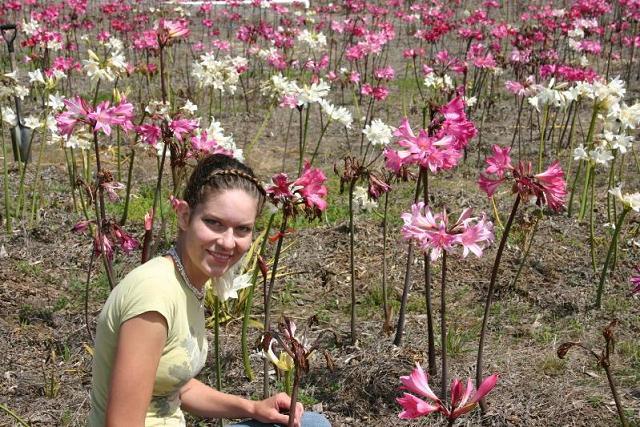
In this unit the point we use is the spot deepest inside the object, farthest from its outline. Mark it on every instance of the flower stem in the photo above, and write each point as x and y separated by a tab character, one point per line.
125	211
385	305
492	282
612	245
216	341
5	171
249	301
352	270
407	279
616	396
294	398
267	300
443	329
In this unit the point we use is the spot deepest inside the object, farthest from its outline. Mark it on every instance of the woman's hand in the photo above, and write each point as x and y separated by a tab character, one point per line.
271	410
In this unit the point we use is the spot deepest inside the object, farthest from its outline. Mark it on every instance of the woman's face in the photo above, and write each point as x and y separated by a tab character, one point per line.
216	233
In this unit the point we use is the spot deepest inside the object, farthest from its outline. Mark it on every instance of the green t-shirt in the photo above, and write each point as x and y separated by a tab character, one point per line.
153	286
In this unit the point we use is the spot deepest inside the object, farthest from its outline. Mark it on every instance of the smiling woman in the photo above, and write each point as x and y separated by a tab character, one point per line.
150	341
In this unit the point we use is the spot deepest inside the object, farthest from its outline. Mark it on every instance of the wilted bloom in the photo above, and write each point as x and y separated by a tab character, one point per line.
629	201
463	399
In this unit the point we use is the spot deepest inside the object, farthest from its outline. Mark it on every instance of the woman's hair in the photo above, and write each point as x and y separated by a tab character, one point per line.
218	172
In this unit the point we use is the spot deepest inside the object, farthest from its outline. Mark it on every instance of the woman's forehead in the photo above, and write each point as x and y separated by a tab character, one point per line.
233	204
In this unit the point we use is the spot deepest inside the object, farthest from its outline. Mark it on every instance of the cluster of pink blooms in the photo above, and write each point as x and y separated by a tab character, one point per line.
463	399
433	233
102	117
548	188
308	190
441	147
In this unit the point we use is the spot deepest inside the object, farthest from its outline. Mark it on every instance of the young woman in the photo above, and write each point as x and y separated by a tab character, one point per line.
150	340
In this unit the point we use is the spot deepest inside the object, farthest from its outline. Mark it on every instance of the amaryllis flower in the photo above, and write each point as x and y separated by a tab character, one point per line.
149	134
433	233
168	30
308	190
549	187
181	127
463	399
102	118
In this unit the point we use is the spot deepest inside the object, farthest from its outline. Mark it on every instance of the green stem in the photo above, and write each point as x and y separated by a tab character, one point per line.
5	170
589	170
492	282
216	342
303	139
352	271
259	132
612	245
125	211
36	187
543	128
443	329
315	151
248	303
14	416
592	241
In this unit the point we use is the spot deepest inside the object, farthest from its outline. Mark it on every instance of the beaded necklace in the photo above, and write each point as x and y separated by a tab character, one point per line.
199	294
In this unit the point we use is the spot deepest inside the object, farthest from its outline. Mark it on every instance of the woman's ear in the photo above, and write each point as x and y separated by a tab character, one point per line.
183	212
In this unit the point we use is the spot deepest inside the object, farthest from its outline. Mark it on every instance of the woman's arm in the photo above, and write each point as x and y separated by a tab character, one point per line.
140	343
202	400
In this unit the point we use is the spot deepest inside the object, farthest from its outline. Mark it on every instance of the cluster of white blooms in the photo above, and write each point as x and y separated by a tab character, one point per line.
79	139
435	82
216	132
618	117
111	66
312	39
362	200
338	114
279	86
221	74
552	95
36	78
378	133
10	86
159	109
310	94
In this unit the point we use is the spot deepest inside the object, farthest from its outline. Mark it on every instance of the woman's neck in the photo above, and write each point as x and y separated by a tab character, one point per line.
194	275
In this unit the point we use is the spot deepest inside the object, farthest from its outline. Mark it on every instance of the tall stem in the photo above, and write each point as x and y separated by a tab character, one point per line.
492	282
385	306
352	270
431	340
216	342
612	245
407	278
5	170
267	299
101	213
443	329
249	301
616	396
294	398
589	170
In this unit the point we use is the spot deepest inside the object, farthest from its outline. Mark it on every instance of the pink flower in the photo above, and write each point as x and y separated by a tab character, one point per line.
548	187
182	127
313	190
386	73
554	187
280	188
463	399
169	30
500	162
148	220
150	134
434	234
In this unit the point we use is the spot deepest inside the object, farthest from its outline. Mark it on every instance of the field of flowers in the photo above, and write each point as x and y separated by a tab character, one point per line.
453	200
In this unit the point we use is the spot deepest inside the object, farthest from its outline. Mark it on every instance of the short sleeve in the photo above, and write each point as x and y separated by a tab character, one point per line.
145	296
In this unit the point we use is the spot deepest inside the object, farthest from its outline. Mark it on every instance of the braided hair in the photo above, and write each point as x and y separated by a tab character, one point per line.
219	172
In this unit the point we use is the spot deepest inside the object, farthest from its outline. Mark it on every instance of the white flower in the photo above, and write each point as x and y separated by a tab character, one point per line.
339	114
231	282
20	91
313	93
115	44
36	76
362	199
630	201
629	116
189	107
30	27
580	153
601	155
218	74
32	122
378	133
8	116
55	102
312	39
216	132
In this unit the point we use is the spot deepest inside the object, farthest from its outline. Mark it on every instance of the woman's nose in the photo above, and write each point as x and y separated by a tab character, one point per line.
226	240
